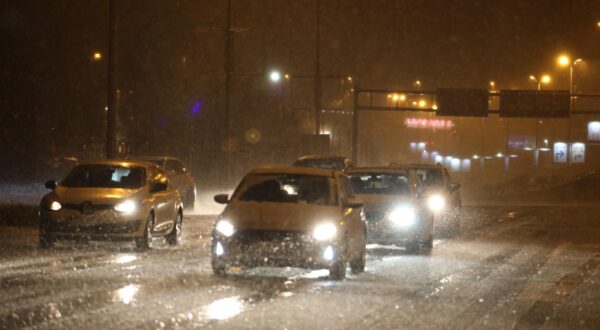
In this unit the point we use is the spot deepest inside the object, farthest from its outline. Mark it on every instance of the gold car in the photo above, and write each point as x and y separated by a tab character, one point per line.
291	217
396	212
110	199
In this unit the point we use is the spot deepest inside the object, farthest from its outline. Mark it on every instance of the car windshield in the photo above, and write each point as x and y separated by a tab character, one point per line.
337	164
105	176
380	183
431	177
286	188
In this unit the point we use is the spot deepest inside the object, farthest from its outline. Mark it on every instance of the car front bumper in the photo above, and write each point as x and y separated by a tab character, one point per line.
384	233
275	249
101	224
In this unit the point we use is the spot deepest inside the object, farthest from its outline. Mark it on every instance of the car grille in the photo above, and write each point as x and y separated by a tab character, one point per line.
374	216
87	207
126	227
260	242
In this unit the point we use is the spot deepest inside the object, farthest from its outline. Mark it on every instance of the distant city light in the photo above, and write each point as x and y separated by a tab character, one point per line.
594	131
97	56
432	124
422	103
196	107
466	165
275	76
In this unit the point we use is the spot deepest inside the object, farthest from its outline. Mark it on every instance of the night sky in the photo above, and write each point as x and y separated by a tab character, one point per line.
171	61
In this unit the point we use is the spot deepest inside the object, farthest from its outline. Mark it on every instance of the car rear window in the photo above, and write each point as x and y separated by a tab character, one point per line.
380	183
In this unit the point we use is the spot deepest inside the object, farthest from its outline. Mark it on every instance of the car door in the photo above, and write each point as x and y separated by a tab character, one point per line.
177	176
164	201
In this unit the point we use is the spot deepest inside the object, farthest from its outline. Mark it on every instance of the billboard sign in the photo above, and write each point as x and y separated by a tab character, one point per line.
560	152
577	152
594	131
534	104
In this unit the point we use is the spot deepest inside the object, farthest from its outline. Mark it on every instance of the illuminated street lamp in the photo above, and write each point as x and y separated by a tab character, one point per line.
417	84
275	76
565	61
97	56
492	85
545	79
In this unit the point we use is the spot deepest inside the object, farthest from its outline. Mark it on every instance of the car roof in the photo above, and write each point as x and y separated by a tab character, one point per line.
376	170
317	157
117	162
156	158
294	170
418	166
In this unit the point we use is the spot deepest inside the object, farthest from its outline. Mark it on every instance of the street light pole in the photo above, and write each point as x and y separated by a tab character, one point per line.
112	114
318	70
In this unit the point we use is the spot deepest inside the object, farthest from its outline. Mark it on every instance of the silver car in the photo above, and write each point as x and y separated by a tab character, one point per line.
443	195
291	217
179	176
395	211
113	200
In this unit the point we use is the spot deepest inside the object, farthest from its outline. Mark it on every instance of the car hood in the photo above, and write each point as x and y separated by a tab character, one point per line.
383	203
94	195
279	216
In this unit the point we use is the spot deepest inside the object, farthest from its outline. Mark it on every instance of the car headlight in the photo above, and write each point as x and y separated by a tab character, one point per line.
403	216
125	207
325	231
225	227
436	203
55	206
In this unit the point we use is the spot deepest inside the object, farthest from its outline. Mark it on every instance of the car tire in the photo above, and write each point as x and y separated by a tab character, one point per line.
46	241
218	268
428	244
412	246
144	242
175	236
337	271
358	265
190	200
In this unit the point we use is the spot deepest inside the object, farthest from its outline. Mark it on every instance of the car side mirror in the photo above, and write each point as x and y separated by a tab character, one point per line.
222	198
51	184
353	203
454	187
158	187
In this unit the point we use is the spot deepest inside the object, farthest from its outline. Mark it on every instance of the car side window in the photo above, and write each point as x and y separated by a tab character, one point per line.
175	166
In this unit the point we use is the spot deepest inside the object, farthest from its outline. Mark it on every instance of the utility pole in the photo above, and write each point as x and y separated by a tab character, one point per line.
112	113
227	69
318	71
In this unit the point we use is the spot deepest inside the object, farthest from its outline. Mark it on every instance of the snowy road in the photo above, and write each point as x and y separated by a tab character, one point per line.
524	267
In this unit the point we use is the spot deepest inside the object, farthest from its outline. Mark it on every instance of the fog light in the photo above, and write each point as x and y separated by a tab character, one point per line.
219	249
328	253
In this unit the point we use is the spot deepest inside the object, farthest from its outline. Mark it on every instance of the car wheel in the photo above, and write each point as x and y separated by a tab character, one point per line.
189	200
218	268
46	241
144	242
337	271
175	235
428	244
358	265
412	246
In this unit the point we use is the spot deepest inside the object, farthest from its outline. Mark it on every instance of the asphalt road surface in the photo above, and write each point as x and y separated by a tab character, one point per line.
507	267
